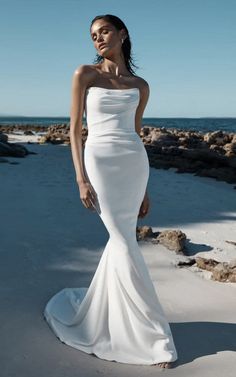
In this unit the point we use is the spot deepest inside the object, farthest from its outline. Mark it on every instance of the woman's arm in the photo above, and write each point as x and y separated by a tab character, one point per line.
76	121
80	81
144	95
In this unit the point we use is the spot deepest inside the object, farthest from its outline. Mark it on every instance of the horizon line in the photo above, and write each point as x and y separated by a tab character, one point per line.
152	117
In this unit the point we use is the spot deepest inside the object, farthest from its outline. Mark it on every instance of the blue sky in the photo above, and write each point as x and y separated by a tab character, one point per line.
186	50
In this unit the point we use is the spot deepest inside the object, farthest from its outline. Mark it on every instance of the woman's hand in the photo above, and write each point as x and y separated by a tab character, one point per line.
144	206
88	195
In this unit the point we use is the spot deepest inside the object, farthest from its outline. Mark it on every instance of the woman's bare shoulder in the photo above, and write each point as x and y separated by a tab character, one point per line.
85	72
142	84
83	68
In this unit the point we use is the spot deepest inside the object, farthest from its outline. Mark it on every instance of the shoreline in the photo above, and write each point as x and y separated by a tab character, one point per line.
211	154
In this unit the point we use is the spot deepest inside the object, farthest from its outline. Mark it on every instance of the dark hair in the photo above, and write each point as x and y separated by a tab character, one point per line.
126	46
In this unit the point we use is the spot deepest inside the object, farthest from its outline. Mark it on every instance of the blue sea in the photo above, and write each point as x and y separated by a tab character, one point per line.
196	124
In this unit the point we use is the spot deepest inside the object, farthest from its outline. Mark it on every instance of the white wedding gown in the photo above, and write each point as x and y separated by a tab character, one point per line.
119	316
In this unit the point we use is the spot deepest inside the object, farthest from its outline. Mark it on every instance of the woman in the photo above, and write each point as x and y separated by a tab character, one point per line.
119	316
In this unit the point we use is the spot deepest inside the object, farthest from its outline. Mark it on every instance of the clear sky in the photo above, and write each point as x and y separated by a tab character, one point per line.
186	50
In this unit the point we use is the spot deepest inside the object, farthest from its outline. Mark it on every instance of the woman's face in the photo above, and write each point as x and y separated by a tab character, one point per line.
106	38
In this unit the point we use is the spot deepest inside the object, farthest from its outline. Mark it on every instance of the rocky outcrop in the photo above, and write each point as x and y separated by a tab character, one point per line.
25	128
11	149
175	240
212	154
220	271
3	137
144	233
56	134
171	239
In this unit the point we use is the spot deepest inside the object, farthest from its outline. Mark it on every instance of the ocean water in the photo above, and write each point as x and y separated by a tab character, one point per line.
196	124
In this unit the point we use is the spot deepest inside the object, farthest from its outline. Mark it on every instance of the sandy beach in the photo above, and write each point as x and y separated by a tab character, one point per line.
50	241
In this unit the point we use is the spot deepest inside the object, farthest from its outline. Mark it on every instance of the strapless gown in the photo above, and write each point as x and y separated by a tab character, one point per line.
119	316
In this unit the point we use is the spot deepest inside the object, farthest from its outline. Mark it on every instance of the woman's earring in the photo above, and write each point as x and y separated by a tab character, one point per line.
122	40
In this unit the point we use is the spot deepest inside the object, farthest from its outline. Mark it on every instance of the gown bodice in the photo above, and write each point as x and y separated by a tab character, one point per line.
111	111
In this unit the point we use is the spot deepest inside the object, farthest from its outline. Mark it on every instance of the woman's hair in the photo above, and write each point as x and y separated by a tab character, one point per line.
126	45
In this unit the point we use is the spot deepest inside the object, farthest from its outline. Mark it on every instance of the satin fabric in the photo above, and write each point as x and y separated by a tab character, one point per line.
119	316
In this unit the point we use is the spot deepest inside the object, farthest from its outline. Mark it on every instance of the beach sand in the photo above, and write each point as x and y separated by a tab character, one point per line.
50	241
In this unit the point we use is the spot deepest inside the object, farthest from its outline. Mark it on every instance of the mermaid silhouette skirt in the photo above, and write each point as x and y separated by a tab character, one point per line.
119	316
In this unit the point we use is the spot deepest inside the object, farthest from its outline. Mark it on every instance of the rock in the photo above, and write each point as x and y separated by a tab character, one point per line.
28	132
144	232
163	139
231	242
173	240
145	131
60	134
221	174
232	278
206	155
3	137
187	262
220	272
13	149
43	139
232	162
206	264
232	264
210	137
230	149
